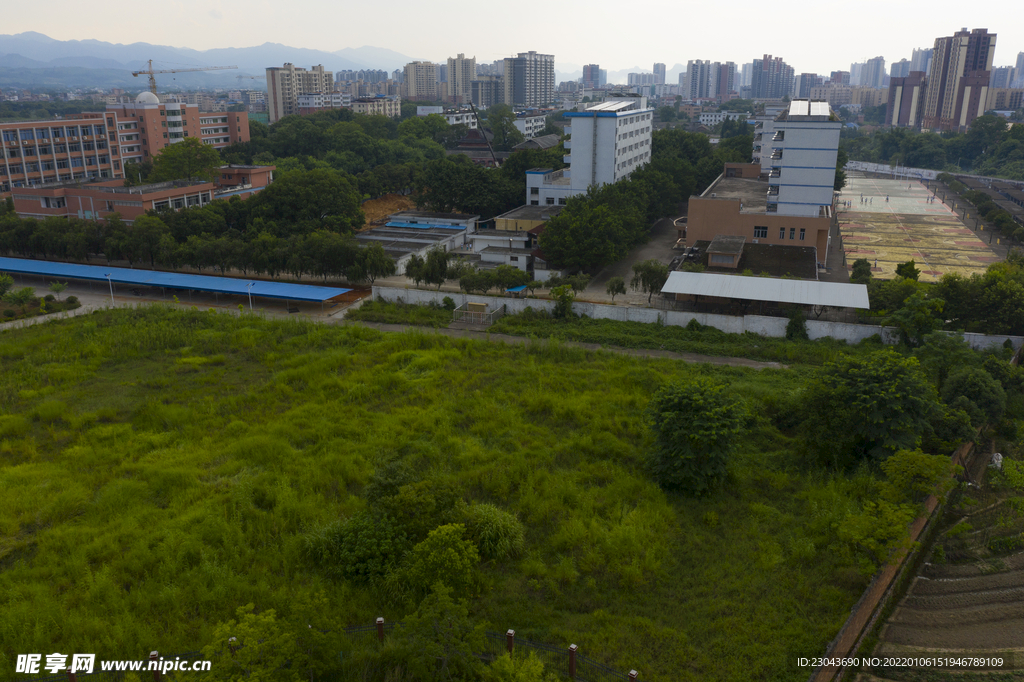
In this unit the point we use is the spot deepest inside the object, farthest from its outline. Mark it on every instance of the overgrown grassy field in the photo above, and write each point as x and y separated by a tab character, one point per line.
401	313
160	468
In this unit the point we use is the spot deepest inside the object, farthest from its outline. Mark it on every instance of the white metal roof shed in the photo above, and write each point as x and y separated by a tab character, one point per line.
799	291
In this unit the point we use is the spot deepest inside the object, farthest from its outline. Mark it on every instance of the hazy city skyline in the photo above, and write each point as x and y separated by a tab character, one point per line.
811	42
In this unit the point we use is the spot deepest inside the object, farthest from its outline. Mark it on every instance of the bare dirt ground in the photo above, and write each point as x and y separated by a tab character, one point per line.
377	210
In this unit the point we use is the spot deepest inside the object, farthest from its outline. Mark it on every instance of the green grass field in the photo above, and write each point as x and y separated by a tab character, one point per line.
160	468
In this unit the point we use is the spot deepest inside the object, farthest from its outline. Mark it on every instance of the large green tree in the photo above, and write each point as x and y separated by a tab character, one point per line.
189	160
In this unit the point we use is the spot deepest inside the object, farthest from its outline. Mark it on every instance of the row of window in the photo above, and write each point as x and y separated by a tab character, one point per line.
18	152
634	119
34	182
51	133
761	232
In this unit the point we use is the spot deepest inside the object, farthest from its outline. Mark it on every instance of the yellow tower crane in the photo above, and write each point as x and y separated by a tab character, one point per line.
151	72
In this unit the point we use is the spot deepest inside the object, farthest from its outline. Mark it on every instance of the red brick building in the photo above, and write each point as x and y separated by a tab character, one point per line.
97	144
97	199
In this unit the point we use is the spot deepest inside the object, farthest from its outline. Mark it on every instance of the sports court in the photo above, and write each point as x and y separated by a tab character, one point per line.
907	227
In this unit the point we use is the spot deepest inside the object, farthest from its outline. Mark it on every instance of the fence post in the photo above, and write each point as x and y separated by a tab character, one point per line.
572	661
510	640
380	629
72	677
154	656
633	675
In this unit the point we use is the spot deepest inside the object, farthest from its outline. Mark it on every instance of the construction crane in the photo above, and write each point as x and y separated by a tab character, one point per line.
151	72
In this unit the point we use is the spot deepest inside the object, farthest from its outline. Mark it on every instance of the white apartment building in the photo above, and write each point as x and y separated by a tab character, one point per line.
530	126
390	106
608	141
803	150
461	74
711	118
286	83
323	100
466	118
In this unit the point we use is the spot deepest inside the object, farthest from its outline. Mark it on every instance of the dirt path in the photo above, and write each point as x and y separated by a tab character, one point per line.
522	341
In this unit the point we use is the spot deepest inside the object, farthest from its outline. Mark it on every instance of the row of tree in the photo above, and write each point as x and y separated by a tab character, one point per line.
986	208
990	303
989	147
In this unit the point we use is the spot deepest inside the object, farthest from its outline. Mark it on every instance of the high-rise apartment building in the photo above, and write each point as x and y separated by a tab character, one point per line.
805	82
745	75
723	80
1002	77
487	91
958	79
591	75
900	69
286	83
659	73
1018	72
461	73
421	81
905	103
921	59
856	70
640	79
697	82
839	78
873	74
530	79
771	78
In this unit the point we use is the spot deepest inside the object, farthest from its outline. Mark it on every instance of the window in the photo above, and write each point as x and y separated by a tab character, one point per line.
534	202
514	259
760	232
792	233
534	191
802	232
550	201
782	233
561	201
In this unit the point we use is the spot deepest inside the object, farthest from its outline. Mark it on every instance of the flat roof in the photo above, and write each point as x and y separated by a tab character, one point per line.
726	243
527	212
504	249
423	226
768	289
441	216
751	192
171	280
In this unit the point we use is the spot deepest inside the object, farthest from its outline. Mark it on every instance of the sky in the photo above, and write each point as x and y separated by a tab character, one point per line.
813	37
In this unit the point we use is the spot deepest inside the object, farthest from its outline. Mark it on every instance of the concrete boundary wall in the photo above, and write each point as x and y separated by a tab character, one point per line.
762	325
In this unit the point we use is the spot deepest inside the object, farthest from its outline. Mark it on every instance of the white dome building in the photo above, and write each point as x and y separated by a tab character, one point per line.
147	97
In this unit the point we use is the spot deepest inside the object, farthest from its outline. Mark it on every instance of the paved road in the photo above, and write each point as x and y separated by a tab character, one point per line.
659	248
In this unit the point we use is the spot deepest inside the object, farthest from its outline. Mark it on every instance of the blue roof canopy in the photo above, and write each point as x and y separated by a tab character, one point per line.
171	280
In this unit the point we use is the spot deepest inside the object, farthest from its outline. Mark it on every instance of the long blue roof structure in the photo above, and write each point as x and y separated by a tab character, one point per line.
171	280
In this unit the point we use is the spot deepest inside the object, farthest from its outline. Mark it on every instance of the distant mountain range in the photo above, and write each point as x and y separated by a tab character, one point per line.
35	60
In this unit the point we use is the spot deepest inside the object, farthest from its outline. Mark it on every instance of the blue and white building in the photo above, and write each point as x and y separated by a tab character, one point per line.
801	152
606	143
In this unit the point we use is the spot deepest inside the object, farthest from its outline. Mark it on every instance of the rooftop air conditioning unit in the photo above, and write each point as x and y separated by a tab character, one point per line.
713	195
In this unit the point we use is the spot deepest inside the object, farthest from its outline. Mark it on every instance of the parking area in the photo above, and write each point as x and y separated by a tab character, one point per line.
893	221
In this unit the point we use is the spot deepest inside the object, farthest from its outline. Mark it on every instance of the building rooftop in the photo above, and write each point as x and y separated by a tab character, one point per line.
808	110
727	244
751	193
768	289
527	212
427	215
540	142
505	249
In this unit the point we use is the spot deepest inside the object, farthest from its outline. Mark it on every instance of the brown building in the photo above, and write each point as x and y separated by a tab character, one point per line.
736	205
98	199
958	79
1005	99
906	100
97	144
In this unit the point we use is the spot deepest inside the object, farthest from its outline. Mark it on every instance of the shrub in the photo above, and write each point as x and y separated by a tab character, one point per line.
498	534
9	313
448	303
49	298
695	427
796	328
447	557
72	300
362	548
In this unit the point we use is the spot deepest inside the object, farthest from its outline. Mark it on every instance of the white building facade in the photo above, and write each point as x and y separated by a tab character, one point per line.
607	142
530	126
803	150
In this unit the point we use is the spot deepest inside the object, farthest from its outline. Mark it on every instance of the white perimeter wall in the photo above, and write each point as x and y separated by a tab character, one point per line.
757	324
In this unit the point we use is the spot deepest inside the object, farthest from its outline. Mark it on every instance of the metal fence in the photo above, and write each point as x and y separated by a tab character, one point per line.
463	314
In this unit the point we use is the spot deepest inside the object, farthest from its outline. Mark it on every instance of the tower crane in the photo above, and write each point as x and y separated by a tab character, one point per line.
152	79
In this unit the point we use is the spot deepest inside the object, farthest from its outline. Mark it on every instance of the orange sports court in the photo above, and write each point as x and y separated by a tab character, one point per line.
907	227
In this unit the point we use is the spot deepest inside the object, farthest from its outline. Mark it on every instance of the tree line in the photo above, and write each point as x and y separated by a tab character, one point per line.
988	147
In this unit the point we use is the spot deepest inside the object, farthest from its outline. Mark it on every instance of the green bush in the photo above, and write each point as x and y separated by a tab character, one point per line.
448	303
694	425
498	534
71	300
977	386
9	313
796	328
447	557
362	548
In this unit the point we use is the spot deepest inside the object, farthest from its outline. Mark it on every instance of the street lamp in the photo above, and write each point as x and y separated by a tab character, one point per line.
107	275
249	287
